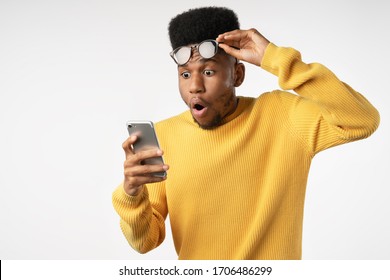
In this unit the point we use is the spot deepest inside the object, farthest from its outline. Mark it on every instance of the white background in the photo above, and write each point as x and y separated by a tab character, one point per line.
73	72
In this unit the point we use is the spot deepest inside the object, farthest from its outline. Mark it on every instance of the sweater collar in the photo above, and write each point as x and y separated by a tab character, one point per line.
242	104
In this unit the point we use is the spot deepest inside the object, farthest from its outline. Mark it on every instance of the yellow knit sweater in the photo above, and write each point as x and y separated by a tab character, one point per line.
237	192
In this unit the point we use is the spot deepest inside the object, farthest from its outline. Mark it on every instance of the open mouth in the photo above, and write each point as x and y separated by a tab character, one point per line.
198	107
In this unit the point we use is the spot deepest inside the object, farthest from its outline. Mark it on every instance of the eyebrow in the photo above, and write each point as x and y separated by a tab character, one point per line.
203	61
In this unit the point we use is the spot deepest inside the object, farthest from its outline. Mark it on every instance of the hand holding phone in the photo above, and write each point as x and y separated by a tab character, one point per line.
144	163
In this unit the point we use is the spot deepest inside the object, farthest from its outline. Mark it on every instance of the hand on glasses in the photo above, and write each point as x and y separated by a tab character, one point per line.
247	45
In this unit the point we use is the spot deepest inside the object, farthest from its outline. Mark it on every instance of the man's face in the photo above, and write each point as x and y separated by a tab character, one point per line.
207	86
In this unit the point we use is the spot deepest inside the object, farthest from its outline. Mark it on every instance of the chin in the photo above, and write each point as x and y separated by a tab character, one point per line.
214	123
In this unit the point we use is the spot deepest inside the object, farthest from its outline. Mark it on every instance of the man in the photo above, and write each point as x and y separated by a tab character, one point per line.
238	166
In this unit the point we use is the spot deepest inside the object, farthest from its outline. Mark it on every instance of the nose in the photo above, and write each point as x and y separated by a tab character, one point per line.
196	84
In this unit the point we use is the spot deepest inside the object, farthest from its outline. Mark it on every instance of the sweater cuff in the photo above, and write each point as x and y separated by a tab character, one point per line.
276	58
269	57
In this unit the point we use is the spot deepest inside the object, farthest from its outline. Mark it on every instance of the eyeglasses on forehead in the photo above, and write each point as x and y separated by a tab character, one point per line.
206	49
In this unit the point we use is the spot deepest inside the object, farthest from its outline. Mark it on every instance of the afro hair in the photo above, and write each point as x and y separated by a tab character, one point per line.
197	25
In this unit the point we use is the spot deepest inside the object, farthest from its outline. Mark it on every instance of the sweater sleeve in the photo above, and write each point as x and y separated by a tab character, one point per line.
327	112
142	217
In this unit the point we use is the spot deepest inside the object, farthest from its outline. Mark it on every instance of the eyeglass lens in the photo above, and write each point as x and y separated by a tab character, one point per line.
206	49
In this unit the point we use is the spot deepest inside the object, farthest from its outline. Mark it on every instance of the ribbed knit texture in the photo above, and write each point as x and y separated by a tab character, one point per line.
237	192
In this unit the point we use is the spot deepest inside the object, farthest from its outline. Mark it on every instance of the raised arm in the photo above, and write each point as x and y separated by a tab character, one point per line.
329	111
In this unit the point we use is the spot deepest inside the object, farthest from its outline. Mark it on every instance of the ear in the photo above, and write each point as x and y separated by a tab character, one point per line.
239	74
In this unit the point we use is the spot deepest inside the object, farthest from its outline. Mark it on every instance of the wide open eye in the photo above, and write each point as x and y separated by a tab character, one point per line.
208	72
185	75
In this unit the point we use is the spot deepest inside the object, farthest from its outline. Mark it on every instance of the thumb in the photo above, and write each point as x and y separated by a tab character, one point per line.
235	52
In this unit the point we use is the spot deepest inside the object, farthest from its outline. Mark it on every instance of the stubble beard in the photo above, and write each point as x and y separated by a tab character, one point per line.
215	122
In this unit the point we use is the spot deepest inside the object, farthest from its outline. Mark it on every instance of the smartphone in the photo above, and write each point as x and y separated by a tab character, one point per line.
146	139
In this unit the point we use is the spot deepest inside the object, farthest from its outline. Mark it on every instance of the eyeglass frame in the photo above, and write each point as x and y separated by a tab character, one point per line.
172	53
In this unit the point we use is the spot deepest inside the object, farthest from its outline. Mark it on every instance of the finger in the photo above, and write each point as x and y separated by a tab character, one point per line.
230	42
145	170
142	180
232	38
137	158
142	155
133	185
232	34
231	51
127	145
